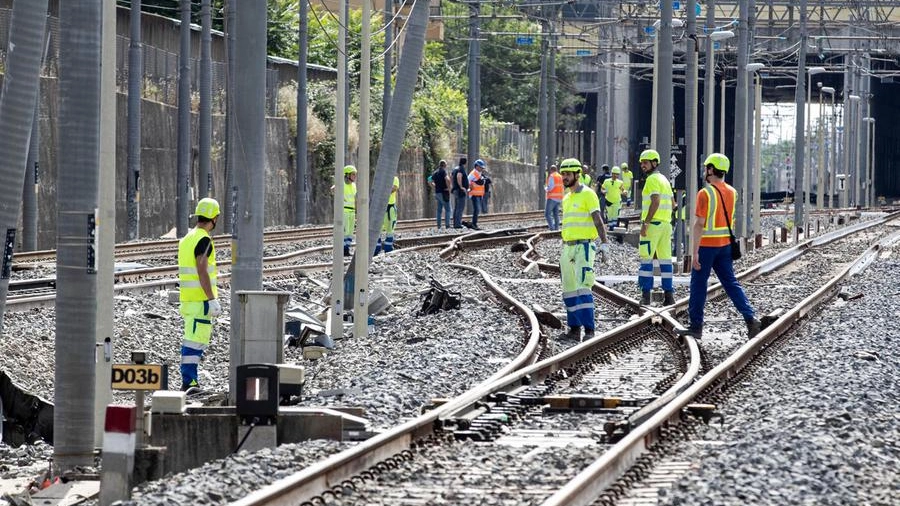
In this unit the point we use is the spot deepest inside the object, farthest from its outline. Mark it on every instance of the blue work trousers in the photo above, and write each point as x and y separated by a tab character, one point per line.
443	207
476	209
716	259
551	213
459	206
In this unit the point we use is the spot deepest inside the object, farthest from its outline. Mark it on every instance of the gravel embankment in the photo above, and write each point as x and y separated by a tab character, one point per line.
816	421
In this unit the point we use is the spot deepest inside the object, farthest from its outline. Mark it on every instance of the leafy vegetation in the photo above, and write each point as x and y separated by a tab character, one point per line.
510	76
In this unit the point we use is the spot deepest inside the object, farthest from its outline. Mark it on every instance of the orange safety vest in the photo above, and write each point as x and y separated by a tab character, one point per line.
555	193
476	190
710	206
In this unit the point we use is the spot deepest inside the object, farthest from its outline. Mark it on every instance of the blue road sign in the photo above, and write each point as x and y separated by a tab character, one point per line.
524	41
649	30
582	52
716	45
676	6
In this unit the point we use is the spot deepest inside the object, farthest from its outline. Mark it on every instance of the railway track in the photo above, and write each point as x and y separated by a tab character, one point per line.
495	408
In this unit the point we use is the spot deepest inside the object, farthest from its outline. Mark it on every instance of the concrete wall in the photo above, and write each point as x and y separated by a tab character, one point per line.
514	185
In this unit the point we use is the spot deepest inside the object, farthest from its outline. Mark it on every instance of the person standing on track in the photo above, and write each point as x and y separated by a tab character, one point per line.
554	189
711	246
656	229
390	221
349	206
440	181
613	190
460	188
628	181
581	225
197	290
476	190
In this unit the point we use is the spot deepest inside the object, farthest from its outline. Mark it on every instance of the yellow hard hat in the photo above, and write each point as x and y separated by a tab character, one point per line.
718	161
208	208
349	169
616	170
650	155
624	165
570	165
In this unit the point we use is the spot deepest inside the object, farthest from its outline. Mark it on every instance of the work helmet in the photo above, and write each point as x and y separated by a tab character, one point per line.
624	165
616	170
650	155
604	167
718	161
207	208
349	169
479	163
570	165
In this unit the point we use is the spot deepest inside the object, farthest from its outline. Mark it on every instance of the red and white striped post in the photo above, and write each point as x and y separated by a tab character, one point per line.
118	454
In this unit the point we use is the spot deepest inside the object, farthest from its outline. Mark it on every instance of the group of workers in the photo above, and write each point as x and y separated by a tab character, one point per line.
582	225
569	189
457	187
613	186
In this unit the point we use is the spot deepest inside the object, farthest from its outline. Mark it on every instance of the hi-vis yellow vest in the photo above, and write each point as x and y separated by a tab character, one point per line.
188	279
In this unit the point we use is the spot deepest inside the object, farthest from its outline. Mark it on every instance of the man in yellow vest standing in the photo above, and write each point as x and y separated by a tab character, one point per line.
711	247
581	225
627	181
349	206
390	221
656	229
613	190
198	293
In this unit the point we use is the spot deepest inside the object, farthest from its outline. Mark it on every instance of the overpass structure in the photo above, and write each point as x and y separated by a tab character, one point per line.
852	47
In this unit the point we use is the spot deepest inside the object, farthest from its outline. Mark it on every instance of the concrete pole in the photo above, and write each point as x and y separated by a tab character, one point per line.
610	114
739	160
690	93
800	143
833	155
228	211
106	235
302	147
474	101
340	148
665	111
551	96
183	190
205	127
388	61
709	95
361	275
77	283
601	124
250	162
542	165
135	84
820	149
757	169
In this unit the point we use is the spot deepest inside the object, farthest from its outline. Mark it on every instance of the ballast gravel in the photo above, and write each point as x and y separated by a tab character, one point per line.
816	422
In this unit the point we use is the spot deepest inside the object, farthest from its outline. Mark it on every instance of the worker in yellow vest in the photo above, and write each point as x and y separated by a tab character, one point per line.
349	206
656	229
197	290
390	221
627	181
581	225
613	190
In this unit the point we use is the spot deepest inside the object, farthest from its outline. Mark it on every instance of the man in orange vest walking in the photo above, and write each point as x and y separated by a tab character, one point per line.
476	190
711	246
554	189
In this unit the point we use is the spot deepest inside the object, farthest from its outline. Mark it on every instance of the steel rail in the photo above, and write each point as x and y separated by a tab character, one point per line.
596	478
320	477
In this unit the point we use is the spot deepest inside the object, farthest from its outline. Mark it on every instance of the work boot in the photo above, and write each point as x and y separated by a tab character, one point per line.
754	326
588	334
668	298
574	333
645	298
695	332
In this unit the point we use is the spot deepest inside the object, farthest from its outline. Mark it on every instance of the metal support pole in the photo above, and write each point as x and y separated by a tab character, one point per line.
302	161
361	274
800	146
665	111
204	176
709	95
722	118
340	148
739	160
474	146
135	84
183	191
388	61
228	211
757	169
542	162
820	149
32	183
690	93
551	96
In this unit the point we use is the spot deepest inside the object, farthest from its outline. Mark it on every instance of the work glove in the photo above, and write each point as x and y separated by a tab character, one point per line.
215	309
604	248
